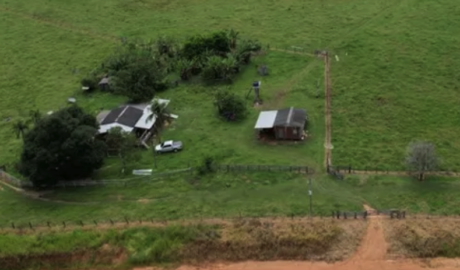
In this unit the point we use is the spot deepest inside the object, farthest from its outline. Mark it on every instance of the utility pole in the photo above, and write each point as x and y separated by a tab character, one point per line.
310	195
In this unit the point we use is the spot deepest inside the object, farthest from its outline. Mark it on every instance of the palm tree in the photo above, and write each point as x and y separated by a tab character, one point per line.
20	128
160	112
35	116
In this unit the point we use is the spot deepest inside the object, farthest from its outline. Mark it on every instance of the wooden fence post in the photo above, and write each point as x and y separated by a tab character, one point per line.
356	215
349	168
12	225
365	214
111	221
63	224
95	223
81	223
48	223
127	221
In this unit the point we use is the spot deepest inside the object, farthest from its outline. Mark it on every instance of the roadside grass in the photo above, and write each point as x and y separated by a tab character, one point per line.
243	239
435	195
397	81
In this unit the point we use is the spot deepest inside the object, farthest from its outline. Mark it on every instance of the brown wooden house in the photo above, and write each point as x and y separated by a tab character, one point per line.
284	124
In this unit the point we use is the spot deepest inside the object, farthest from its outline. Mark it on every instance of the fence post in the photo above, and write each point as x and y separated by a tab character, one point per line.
111	221
356	215
81	223
338	214
349	168
12	225
30	225
345	215
95	223
63	224
48	223
365	214
127	221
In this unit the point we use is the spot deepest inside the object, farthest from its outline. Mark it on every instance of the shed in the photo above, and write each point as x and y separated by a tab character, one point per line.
104	83
284	124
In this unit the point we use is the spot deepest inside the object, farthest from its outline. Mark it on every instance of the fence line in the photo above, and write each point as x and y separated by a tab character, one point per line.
9	179
146	221
377	171
261	168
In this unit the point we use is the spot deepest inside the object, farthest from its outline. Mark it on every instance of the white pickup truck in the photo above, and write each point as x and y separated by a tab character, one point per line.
168	146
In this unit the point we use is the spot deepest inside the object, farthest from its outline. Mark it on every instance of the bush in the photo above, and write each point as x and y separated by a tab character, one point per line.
137	71
91	82
217	43
229	106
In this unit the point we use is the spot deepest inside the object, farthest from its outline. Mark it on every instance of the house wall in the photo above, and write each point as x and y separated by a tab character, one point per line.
288	133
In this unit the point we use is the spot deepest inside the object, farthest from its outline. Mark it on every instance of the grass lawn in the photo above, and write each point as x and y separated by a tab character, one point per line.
397	81
215	195
232	195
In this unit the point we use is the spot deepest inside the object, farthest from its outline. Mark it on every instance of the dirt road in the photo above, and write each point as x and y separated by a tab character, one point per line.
371	255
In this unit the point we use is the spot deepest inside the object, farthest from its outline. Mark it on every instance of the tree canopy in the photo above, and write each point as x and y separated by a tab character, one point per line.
62	146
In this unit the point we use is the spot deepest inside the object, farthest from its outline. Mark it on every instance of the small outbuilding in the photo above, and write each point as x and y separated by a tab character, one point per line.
284	124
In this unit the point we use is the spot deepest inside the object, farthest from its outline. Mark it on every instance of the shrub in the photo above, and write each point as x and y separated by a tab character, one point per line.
229	106
217	43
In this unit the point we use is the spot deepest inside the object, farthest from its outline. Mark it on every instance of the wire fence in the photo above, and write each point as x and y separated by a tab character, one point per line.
147	221
190	171
349	169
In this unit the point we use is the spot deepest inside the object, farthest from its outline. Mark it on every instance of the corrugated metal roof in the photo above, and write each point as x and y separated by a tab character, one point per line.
266	119
146	123
291	117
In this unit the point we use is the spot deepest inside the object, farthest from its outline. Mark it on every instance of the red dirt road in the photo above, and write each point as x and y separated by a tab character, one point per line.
371	255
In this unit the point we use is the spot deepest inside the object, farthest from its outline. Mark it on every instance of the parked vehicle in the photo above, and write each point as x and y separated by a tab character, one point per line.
168	146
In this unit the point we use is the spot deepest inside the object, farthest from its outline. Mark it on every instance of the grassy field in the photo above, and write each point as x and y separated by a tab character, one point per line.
230	196
397	81
215	195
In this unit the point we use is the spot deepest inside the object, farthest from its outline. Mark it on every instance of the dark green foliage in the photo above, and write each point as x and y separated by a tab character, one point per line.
230	106
138	71
123	144
206	166
140	80
90	81
62	147
166	46
218	69
218	43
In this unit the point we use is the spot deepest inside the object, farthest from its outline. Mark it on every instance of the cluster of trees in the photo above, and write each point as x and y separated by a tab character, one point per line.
139	70
62	146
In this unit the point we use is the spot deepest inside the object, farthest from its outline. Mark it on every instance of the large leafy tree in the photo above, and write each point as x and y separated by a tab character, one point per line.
138	71
160	113
62	146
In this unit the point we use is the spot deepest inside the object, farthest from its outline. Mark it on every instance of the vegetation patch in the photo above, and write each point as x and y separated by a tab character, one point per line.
233	241
424	237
